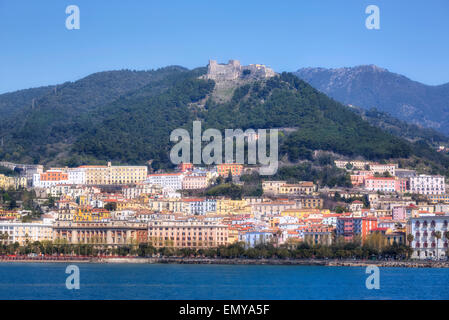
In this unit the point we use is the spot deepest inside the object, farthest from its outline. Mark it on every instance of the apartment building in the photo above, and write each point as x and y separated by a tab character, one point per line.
224	169
425	230
358	178
187	234
50	178
427	184
12	182
385	184
139	189
171	181
199	206
438	198
254	238
272	187
310	202
356	164
24	233
318	235
382	168
351	227
272	208
195	182
301	188
114	175
229	206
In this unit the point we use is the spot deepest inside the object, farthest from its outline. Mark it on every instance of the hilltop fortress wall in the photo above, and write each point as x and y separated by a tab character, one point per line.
233	71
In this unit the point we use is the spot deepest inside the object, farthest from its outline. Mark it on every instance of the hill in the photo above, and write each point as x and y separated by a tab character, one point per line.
132	123
372	87
43	131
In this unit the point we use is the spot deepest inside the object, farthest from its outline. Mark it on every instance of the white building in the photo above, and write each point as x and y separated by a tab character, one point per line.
382	168
56	177
77	176
254	238
427	184
425	244
23	232
172	181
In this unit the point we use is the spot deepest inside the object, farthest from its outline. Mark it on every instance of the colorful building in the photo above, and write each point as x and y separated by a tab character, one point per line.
351	227
224	169
187	234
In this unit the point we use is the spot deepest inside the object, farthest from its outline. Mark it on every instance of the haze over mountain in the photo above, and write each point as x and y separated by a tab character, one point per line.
369	87
127	116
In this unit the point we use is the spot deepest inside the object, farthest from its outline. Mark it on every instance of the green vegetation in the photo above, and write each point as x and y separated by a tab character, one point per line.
340	250
225	189
127	117
13	199
8	172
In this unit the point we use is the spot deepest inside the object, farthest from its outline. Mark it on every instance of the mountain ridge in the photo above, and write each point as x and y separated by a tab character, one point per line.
370	86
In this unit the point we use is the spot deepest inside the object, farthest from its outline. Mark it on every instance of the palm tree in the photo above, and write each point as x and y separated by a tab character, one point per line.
410	238
446	235
437	235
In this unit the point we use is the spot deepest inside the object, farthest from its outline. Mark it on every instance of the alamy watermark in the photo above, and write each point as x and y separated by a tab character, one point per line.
73	20
212	153
373	20
373	281
73	280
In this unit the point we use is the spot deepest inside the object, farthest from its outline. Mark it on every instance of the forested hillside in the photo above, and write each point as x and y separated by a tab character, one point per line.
129	120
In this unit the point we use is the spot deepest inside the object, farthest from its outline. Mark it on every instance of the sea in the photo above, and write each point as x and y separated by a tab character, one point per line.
56	281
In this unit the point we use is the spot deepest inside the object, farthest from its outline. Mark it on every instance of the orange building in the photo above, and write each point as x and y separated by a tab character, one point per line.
350	227
224	169
54	176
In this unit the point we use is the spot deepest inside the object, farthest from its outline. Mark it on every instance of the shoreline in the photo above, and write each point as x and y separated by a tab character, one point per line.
216	261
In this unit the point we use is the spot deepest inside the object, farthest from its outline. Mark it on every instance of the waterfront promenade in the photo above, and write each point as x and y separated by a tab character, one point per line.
237	261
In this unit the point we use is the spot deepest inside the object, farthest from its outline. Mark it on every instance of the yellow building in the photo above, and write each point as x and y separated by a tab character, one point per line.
272	187
12	182
114	175
171	205
438	198
9	214
299	213
304	187
187	234
24	233
228	206
311	202
233	235
85	214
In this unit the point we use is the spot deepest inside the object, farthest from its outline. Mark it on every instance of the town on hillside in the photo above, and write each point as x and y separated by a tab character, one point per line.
112	206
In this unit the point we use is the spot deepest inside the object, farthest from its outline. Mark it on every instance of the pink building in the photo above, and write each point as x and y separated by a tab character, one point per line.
359	177
399	213
386	184
191	182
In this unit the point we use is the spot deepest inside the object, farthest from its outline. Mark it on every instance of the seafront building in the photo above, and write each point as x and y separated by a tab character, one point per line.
187	234
430	237
113	233
24	233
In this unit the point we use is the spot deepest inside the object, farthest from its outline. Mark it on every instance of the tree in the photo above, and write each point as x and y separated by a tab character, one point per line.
410	238
437	235
111	206
229	177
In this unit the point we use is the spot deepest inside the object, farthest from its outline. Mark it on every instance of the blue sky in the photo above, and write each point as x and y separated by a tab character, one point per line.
37	49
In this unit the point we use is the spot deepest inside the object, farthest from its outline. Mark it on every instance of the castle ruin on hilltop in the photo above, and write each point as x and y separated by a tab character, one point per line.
234	71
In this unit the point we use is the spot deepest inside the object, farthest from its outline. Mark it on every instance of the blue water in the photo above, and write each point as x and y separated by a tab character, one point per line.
131	281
